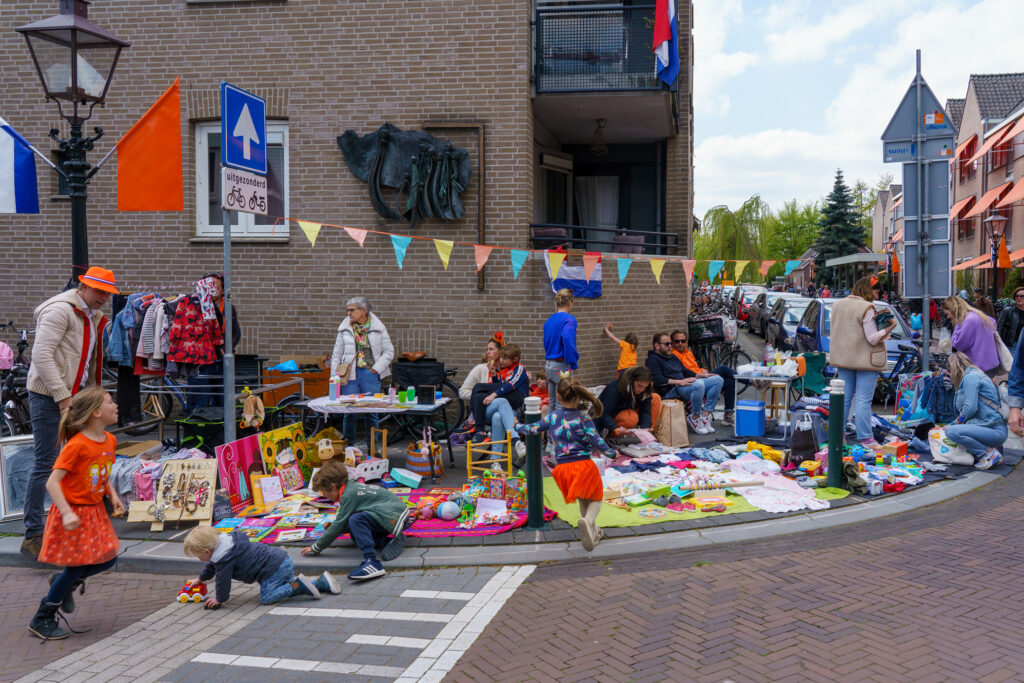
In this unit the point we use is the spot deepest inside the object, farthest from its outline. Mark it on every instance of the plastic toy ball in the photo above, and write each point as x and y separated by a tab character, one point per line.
194	593
448	510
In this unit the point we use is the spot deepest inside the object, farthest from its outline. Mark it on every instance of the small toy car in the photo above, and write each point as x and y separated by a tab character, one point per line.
194	593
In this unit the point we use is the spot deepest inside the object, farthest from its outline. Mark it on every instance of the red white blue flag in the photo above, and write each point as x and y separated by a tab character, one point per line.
666	41
18	189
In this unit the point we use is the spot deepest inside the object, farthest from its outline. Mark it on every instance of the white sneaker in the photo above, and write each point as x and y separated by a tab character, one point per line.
696	423
706	424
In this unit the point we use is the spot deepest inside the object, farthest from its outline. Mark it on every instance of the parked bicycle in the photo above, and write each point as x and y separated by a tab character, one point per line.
14	390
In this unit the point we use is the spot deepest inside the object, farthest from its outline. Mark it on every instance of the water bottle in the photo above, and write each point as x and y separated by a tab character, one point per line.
334	388
769	354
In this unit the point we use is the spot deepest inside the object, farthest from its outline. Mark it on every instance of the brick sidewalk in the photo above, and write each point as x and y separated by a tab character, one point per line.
928	596
111	602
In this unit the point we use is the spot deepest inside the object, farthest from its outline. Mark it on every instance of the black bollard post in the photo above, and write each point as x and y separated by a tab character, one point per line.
534	478
836	432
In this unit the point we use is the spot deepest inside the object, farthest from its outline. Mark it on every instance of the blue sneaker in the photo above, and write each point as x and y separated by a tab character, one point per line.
326	583
369	569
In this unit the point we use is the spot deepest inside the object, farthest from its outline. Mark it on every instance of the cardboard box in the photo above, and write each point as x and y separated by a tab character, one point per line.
316	383
896	448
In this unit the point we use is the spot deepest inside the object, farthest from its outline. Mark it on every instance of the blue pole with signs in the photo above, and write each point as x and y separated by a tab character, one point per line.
919	136
243	136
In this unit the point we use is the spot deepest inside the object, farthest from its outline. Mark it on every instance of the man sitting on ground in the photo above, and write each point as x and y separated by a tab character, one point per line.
681	350
673	380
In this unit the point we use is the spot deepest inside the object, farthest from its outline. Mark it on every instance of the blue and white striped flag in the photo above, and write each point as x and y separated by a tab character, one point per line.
18	190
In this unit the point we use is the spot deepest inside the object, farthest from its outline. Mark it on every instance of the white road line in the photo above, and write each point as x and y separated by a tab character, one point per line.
438	595
327	613
444	651
300	665
388	641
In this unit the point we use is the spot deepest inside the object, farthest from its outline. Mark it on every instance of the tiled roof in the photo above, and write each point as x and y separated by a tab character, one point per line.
998	94
896	189
955	111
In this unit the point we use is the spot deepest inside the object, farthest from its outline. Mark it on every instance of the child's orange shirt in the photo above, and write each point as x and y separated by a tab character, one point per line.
688	360
88	464
627	355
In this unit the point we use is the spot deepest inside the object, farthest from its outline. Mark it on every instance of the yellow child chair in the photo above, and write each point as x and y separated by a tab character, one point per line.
478	456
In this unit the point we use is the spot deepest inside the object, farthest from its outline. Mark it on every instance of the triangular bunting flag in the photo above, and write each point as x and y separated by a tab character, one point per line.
356	235
713	269
481	254
656	265
444	250
740	267
1004	255
895	263
688	267
624	264
311	229
590	262
518	259
400	244
792	265
765	267
555	260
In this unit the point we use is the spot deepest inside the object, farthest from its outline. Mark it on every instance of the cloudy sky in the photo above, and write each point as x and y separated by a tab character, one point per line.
786	91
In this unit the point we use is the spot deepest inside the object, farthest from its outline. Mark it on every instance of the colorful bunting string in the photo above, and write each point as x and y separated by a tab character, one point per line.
556	259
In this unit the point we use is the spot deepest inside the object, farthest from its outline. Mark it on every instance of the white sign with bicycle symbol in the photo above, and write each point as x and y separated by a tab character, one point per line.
243	191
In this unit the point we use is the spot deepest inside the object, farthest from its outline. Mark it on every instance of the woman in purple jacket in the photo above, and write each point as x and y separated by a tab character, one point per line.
974	333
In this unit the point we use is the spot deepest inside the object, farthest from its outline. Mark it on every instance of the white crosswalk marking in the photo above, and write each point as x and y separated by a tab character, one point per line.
453	628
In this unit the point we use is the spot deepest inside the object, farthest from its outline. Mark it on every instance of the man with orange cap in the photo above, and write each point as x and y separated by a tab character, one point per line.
67	355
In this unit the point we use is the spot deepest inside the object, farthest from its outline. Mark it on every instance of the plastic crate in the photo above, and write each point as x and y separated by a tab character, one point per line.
706	330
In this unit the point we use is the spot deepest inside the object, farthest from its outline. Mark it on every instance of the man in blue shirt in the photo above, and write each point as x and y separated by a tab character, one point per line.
560	352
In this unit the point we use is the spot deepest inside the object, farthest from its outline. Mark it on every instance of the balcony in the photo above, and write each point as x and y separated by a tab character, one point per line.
594	238
595	49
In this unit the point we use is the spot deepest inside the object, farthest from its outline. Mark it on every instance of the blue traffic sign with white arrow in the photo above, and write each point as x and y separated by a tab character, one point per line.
243	129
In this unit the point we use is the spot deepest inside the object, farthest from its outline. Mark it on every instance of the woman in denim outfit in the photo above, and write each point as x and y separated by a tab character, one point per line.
979	427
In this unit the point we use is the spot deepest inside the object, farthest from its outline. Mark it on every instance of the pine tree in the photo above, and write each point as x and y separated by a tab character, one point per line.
841	233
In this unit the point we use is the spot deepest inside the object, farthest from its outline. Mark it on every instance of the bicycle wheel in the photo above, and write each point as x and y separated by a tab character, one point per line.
287	412
15	420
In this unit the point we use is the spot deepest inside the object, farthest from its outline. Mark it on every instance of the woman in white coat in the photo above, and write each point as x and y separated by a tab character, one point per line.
364	343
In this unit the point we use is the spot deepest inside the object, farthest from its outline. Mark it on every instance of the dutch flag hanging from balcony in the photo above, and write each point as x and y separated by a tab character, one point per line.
18	191
666	41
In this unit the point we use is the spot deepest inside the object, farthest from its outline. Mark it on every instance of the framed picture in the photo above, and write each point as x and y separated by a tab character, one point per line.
17	458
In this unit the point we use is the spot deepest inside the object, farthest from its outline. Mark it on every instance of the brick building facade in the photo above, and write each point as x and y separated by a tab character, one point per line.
325	68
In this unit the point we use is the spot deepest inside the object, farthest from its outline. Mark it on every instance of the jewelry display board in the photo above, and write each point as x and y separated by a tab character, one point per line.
184	493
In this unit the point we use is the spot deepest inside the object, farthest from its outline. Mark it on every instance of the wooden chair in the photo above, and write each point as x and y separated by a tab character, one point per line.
478	456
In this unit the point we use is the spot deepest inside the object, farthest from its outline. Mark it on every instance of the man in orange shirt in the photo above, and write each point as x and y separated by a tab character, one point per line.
723	374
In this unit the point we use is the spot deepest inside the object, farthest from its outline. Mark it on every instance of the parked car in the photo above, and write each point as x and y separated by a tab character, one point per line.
812	334
783	319
743	305
758	322
737	297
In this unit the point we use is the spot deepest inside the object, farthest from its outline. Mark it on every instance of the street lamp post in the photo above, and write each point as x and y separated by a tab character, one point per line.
996	225
75	60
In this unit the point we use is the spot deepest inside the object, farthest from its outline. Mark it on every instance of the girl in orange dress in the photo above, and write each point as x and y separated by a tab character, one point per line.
78	533
575	439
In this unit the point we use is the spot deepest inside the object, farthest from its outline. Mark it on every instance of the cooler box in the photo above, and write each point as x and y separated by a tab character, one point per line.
749	418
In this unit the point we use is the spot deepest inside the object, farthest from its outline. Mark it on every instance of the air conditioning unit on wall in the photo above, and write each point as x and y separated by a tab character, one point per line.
555	163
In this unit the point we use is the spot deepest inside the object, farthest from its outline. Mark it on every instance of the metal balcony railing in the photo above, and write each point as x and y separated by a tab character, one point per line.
596	49
594	238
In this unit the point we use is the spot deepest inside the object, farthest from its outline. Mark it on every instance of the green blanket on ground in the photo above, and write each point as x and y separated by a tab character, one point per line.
611	516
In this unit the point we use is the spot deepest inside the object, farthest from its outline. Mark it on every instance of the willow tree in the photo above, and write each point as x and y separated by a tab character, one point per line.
732	235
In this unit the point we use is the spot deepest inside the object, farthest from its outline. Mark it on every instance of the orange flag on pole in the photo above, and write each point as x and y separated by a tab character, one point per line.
1004	255
895	263
149	159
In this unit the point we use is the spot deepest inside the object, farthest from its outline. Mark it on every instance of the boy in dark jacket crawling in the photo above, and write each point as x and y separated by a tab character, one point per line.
233	556
368	513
